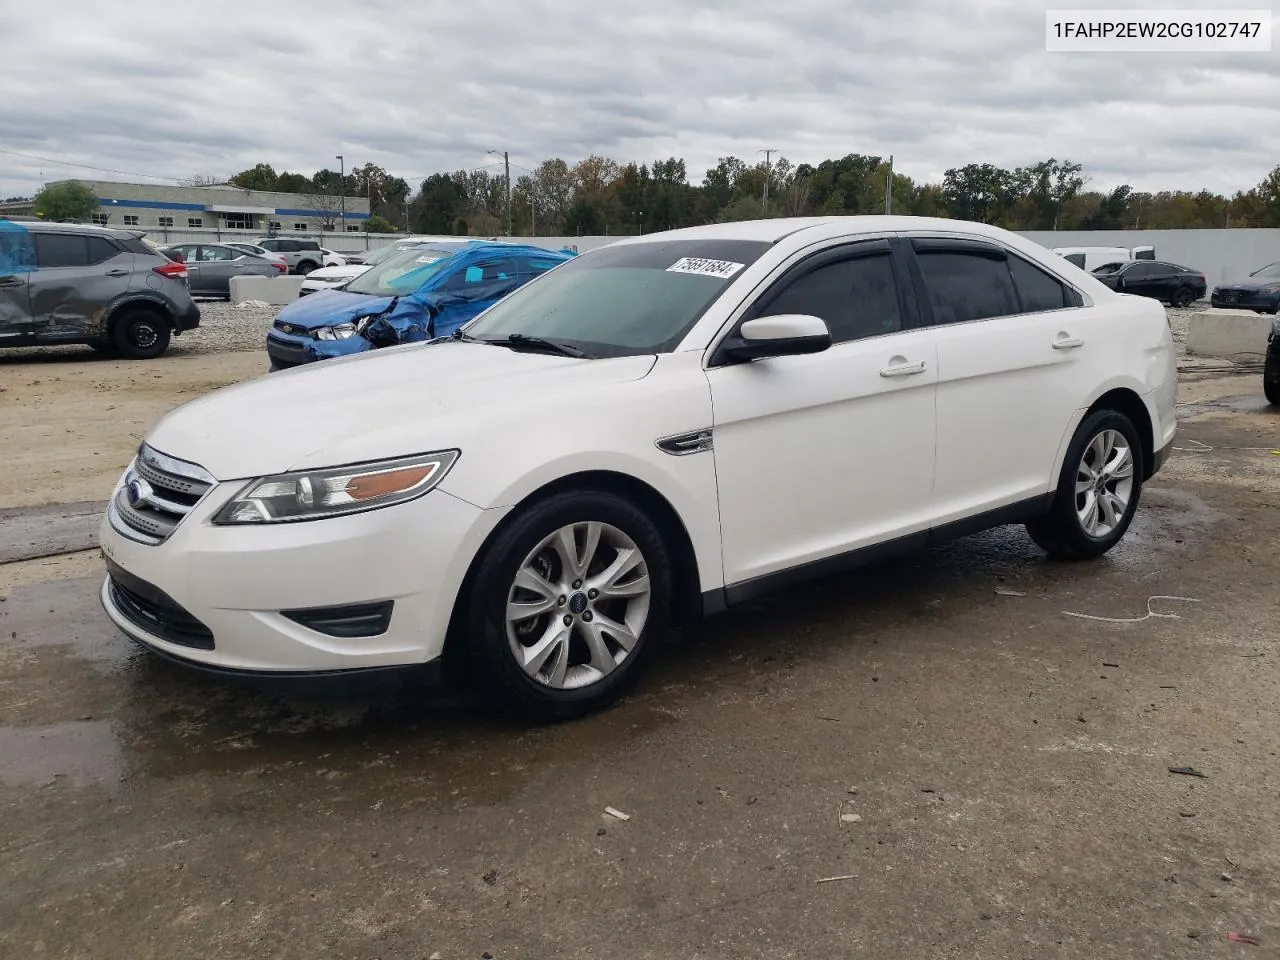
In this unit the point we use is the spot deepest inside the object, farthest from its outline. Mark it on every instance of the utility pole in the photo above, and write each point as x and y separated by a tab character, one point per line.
767	176
888	189
506	168
342	189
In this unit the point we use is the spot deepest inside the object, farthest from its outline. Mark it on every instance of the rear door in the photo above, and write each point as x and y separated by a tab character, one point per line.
76	276
216	266
1017	353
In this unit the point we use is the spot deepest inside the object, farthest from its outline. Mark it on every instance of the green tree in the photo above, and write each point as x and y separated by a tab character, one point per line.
261	176
68	200
294	183
378	224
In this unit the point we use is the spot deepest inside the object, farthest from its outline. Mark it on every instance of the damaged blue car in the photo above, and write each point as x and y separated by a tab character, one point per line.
426	292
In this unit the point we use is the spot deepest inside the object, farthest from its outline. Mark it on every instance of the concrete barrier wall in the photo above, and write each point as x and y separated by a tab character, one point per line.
276	291
1226	333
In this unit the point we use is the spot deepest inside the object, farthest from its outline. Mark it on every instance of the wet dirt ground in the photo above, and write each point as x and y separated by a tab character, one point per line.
987	776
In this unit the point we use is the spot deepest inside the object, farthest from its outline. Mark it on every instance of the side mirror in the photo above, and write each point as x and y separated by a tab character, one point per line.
781	335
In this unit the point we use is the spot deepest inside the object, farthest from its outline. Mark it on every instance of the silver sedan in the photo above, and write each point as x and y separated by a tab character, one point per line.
210	266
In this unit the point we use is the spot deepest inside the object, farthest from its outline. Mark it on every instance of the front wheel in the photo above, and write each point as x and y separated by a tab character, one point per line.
567	605
1271	379
1098	490
141	335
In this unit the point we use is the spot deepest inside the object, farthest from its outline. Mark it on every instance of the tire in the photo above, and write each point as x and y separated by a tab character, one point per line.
572	677
305	267
1062	533
140	334
1184	297
1271	379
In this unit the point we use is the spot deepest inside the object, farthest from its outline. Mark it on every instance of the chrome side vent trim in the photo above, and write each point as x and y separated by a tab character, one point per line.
682	444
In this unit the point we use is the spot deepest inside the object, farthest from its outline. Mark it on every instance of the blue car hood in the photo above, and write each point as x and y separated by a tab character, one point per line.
327	307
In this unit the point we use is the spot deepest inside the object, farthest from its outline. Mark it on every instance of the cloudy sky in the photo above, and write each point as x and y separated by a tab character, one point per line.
172	89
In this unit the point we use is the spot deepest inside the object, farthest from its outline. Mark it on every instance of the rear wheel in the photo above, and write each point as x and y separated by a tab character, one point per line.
1184	297
567	605
140	334
1098	490
305	267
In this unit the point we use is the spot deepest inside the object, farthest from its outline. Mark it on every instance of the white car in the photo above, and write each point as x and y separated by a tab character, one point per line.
330	277
258	251
332	259
658	428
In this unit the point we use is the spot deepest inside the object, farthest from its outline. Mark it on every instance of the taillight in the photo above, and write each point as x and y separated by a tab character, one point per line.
177	271
282	267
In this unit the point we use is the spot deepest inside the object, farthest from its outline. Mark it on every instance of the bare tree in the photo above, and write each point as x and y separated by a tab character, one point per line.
326	207
202	180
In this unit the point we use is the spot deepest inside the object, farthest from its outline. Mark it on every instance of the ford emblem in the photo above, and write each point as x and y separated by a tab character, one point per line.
137	491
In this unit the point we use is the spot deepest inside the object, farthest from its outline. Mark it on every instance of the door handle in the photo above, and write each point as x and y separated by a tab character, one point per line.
10	282
901	367
1064	341
118	273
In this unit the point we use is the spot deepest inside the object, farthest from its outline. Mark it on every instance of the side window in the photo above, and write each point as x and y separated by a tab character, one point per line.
495	270
857	297
964	284
1037	290
1141	271
307	244
217	253
61	250
100	249
272	245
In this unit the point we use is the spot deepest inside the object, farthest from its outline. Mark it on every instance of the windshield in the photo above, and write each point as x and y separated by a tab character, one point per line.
622	300
401	274
1270	272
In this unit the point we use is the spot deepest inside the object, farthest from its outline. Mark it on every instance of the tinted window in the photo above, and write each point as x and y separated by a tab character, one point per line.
135	245
100	249
271	245
857	297
1037	290
61	250
306	245
965	286
1139	271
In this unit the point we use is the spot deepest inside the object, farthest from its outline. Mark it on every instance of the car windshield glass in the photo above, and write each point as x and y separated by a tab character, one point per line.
624	299
402	274
1270	272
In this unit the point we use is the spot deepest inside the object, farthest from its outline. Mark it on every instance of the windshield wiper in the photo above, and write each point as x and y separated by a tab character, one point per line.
459	335
520	341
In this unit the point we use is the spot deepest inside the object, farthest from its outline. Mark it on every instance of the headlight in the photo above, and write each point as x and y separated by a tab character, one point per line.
1271	288
313	494
339	331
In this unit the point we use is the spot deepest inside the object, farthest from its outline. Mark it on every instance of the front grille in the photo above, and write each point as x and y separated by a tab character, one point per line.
1230	296
286	351
157	493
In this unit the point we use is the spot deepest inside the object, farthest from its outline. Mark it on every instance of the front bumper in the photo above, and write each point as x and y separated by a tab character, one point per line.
1245	300
290	350
228	598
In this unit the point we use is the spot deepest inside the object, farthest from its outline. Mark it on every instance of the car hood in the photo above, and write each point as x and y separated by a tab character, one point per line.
370	406
1249	283
327	307
337	274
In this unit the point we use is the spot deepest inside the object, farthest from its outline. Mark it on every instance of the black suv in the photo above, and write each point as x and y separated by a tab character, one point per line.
302	256
62	283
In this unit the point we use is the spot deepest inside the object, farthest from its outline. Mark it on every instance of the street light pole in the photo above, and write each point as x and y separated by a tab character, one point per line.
342	190
506	169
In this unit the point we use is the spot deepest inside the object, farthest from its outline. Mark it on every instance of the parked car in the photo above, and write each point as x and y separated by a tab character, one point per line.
302	255
1260	292
424	292
1271	365
1091	258
260	252
210	266
668	425
367	256
62	283
1173	284
328	278
332	259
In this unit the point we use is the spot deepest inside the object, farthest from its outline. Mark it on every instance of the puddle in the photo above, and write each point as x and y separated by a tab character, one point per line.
82	753
1246	404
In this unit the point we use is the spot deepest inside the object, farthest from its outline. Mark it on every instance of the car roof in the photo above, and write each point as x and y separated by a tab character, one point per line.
46	226
771	231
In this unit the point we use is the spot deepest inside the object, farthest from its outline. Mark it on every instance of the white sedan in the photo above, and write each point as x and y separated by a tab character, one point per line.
662	427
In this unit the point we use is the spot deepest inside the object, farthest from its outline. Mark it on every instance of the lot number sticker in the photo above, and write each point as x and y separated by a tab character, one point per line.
707	268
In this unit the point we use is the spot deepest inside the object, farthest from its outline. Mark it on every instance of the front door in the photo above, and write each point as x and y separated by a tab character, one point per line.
823	454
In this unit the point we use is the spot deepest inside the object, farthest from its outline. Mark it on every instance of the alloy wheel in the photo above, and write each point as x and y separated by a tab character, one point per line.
578	605
1104	483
